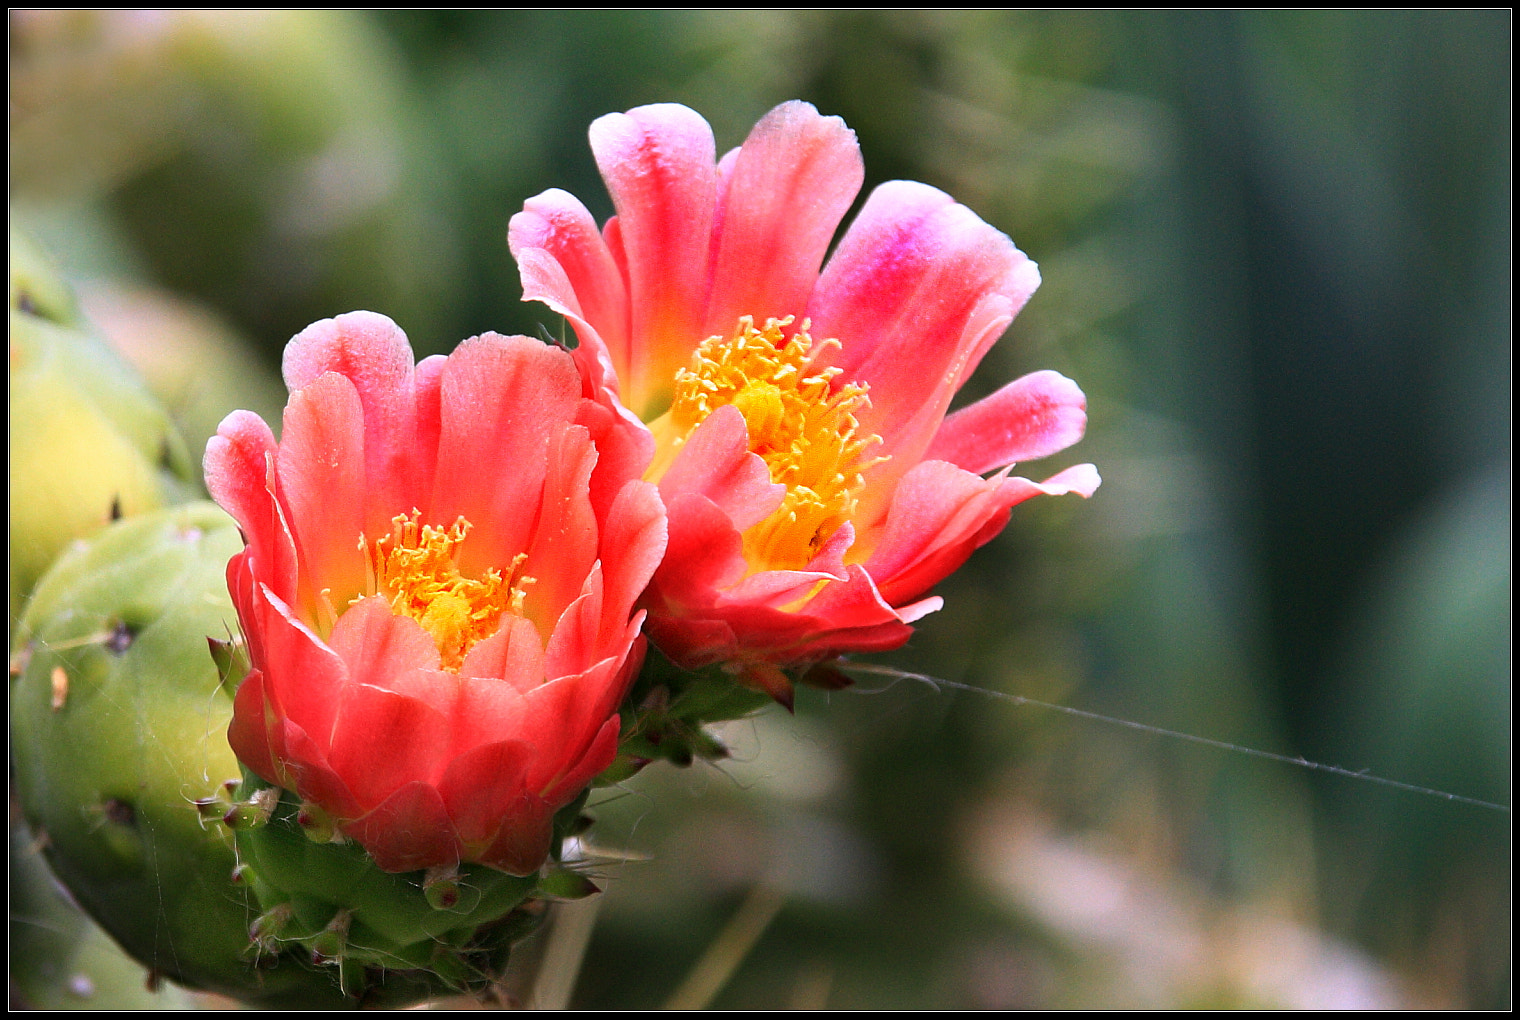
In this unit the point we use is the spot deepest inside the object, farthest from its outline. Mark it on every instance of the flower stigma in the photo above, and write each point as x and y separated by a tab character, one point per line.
804	430
414	566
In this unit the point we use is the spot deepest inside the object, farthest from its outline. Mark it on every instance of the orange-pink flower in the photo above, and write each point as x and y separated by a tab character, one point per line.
796	418
437	591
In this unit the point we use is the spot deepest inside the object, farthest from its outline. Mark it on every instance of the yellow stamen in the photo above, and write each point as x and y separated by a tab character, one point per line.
805	431
414	566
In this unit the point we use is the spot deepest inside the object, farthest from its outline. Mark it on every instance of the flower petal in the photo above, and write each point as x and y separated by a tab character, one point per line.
715	462
940	514
565	541
500	399
409	830
1032	417
513	658
302	676
388	651
790	185
917	291
633	543
321	465
241	476
659	165
381	741
522	842
483	789
371	352
565	263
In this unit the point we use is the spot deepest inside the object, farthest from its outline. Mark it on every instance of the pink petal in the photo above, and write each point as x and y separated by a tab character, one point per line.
428	381
239	466
391	652
633	543
382	741
307	772
303	677
563	717
408	831
658	162
715	462
248	732
777	588
917	291
844	615
522	842
575	641
1032	417
501	399
490	710
482	788
372	352
598	756
941	514
565	542
937	517
789	187
624	448
705	553
1081	479
513	657
321	466
565	263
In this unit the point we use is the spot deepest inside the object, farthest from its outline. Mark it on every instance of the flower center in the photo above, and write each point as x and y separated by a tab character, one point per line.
414	566
807	434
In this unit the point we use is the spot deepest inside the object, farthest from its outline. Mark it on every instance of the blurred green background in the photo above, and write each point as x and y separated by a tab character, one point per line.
1276	251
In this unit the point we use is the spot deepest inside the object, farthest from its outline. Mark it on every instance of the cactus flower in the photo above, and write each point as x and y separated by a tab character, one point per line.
437	590
796	418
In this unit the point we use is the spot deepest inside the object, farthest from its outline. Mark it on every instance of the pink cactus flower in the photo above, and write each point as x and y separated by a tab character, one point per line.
796	418
437	591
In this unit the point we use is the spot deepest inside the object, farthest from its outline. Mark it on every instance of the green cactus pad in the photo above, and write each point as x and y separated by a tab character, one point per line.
118	723
88	445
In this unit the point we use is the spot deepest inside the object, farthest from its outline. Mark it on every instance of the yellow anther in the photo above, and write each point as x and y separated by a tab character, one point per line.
414	566
804	430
